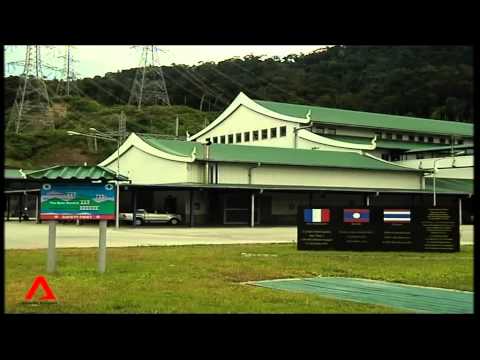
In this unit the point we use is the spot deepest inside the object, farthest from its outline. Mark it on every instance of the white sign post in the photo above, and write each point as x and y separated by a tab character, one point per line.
102	246
52	237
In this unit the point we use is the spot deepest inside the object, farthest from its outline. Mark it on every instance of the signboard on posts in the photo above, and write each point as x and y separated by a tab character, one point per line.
77	201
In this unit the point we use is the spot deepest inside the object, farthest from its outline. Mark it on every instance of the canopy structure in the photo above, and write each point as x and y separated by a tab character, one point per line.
76	173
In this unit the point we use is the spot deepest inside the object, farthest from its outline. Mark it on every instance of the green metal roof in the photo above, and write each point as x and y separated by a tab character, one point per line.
441	148
381	143
274	155
75	173
370	120
444	185
15	173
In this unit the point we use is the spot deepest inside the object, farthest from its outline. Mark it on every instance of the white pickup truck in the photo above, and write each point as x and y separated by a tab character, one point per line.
143	217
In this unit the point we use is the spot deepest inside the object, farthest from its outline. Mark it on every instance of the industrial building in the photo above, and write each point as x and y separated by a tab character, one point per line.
259	161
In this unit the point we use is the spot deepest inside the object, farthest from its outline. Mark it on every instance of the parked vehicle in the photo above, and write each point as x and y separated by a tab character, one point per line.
144	217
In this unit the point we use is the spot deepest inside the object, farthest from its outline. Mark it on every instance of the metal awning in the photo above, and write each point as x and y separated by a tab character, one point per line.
199	186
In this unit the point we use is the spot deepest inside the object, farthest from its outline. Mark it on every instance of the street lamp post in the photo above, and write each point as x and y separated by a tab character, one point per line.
107	137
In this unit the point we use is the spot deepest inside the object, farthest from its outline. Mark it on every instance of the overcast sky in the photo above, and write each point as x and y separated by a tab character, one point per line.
97	60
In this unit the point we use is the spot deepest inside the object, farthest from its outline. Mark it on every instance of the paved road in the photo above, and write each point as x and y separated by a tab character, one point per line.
35	236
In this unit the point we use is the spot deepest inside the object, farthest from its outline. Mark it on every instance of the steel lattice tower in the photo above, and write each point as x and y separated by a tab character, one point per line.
32	101
66	85
149	84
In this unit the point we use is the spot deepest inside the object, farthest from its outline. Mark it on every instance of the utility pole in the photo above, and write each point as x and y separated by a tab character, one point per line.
149	83
122	127
32	102
176	127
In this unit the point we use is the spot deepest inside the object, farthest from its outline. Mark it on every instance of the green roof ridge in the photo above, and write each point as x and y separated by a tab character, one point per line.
375	120
276	155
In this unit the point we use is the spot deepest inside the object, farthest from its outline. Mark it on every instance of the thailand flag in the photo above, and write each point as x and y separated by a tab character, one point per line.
356	215
401	216
316	215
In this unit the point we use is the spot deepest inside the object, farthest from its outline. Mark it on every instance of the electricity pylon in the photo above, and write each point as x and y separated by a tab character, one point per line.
66	85
32	101
149	84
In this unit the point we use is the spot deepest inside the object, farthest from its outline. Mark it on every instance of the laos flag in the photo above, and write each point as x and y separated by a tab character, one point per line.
356	215
316	215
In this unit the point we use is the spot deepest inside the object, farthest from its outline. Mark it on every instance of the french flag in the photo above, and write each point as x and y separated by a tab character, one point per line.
316	215
401	216
356	215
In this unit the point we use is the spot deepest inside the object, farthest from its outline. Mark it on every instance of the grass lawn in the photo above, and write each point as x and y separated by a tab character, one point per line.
207	279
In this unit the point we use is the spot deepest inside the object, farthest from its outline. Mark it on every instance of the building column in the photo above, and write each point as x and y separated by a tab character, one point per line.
252	210
310	196
191	208
37	208
134	214
8	207
460	211
20	204
367	200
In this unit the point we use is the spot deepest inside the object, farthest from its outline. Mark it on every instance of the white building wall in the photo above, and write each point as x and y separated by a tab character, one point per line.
308	176
243	120
233	173
143	168
464	166
297	175
354	132
307	144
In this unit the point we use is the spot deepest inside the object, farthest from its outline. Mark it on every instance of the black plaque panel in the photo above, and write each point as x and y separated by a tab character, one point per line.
439	228
387	229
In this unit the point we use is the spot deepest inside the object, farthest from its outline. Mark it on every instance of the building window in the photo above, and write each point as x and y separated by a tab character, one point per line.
246	136
215	139
319	130
395	157
255	135
264	134
222	139
283	131
389	136
385	157
273	133
443	140
460	142
421	138
411	137
207	140
238	138
430	139
419	156
230	139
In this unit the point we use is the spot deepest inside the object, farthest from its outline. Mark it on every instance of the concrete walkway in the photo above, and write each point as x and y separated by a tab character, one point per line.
28	235
35	236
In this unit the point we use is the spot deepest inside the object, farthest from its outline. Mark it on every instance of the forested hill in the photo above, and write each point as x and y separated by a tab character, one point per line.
423	81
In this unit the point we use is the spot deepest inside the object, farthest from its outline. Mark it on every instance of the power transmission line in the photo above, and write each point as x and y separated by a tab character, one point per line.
149	84
269	83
